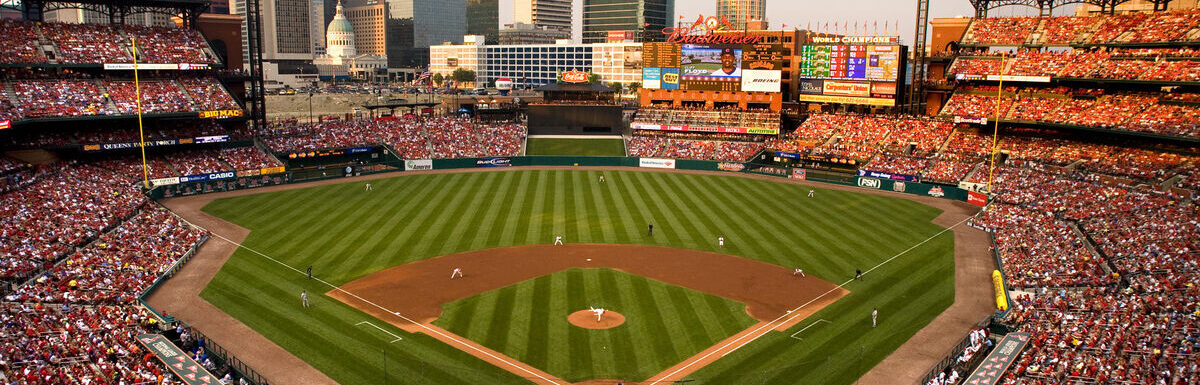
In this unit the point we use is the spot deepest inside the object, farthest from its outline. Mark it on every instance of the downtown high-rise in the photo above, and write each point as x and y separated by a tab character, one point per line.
642	20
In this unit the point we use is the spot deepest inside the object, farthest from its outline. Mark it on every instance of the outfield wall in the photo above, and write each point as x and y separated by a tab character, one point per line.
311	173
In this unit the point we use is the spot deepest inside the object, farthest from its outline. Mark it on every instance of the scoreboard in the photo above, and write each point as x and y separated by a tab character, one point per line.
850	62
851	70
712	67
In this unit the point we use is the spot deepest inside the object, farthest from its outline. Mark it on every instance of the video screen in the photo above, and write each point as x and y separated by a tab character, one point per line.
710	61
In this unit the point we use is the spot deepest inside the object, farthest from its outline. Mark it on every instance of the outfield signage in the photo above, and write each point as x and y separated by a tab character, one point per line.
976	198
5	124
718	129
799	173
815	158
490	162
164	181
155	143
184	367
329	152
884	175
962	119
209	176
221	114
868	182
996	363
212	139
154	66
847	100
731	166
656	163
418	164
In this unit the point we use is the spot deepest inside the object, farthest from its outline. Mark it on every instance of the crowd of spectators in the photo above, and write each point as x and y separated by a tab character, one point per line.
87	97
248	158
666	147
168	45
100	43
441	137
1130	27
87	43
1117	65
1125	111
61	98
19	43
709	117
158	96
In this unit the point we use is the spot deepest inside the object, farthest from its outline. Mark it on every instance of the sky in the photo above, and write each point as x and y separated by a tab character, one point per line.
800	13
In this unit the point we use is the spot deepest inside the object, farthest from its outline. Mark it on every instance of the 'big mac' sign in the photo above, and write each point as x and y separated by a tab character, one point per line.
574	76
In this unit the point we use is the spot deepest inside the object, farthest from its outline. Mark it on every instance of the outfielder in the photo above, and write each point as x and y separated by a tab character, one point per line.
304	298
810	193
456	272
558	240
721	241
368	187
602	179
874	316
599	313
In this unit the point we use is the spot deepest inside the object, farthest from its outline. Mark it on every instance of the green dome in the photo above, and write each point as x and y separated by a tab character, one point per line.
340	25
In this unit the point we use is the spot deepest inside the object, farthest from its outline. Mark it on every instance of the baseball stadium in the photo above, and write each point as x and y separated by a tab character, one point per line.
998	200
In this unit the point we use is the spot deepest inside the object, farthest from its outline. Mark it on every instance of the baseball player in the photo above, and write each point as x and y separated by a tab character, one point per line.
650	230
874	316
857	273
810	193
721	241
599	313
558	240
368	187
799	272
304	298
309	271
602	179
457	272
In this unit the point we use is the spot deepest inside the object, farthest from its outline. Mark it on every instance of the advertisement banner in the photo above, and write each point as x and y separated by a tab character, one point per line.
246	173
936	192
978	199
836	88
731	166
652	78
761	80
899	186
847	100
884	175
212	139
960	119
1018	78
789	155
670	78
418	164
210	176
358	150
5	124
221	114
645	126
164	181
868	182
140	66
799	173
812	86
271	170
490	162
656	163
993	367
187	370
883	90
686	128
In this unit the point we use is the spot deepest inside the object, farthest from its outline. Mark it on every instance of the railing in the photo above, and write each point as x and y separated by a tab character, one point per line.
949	359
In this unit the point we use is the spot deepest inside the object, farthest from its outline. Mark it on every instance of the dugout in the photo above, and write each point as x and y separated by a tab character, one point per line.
575	109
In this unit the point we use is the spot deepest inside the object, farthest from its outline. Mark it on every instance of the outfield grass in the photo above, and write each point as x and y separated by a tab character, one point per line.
660	328
580	147
346	233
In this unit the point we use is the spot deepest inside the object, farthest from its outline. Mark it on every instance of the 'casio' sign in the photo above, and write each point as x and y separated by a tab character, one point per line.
868	182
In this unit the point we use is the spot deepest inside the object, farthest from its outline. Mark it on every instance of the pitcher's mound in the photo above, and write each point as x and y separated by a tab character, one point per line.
587	320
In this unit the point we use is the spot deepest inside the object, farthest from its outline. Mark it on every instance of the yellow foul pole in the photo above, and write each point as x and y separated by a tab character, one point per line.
137	87
996	130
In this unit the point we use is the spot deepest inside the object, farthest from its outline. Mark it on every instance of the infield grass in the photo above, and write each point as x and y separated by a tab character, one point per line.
659	329
576	147
346	233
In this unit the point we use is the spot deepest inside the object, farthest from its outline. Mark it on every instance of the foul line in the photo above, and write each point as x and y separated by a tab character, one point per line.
805	328
397	314
382	330
788	317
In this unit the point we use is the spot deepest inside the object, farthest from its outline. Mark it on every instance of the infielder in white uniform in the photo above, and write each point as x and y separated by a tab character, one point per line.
874	316
799	272
456	272
599	313
304	298
558	240
721	241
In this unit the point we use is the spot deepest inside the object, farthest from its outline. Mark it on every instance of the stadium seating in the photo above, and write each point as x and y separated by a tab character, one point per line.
668	147
436	137
18	43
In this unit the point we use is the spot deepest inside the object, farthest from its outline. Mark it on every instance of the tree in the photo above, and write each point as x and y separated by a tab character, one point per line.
438	79
463	75
616	87
633	87
593	78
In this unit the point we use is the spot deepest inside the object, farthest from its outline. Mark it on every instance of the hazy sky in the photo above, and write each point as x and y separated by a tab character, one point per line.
801	13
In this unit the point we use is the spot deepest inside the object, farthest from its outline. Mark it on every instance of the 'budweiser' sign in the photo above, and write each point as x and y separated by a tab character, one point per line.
574	76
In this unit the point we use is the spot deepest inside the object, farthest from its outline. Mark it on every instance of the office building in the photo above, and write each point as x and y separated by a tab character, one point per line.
739	12
642	19
368	23
411	26
483	18
538	64
317	25
549	13
521	33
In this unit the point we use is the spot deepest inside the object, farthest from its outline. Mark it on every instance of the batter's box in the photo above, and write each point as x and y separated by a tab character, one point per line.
806	328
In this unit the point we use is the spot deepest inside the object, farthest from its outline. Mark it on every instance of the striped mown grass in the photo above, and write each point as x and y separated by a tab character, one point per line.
664	324
346	233
578	147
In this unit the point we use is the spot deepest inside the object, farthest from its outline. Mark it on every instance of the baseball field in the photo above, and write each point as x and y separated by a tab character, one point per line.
575	147
385	311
